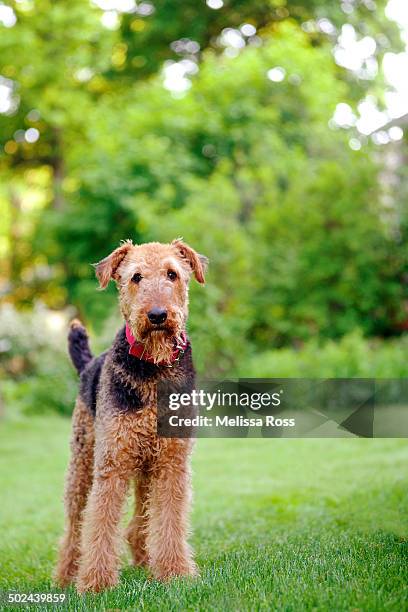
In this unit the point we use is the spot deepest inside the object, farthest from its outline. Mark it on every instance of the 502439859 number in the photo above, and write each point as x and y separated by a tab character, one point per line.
15	597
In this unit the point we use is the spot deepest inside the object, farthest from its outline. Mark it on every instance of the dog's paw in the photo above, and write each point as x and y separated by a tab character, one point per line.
139	553
63	580
167	572
96	581
140	560
65	573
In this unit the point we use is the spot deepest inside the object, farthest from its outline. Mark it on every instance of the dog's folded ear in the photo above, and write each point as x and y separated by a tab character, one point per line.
107	268
198	262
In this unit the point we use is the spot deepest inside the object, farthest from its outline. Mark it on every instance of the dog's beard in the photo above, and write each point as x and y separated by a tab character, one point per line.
160	345
159	342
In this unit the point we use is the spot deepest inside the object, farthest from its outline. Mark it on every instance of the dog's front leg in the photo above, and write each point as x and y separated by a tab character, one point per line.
168	550
98	567
136	531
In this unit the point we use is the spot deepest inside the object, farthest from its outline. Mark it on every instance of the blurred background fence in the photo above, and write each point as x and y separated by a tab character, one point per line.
270	135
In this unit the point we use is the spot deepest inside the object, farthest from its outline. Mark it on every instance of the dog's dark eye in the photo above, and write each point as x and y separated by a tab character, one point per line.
136	278
171	275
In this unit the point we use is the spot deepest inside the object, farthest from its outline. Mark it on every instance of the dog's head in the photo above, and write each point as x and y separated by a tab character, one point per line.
152	280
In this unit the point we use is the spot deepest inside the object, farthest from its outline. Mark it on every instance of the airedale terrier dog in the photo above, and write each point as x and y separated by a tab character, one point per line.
114	440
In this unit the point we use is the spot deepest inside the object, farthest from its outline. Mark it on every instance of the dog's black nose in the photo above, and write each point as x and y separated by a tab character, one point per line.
157	316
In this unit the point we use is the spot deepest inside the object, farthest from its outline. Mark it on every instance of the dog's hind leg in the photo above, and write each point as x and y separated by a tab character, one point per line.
78	484
136	530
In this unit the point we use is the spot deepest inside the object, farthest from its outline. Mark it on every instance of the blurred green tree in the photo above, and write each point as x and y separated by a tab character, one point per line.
240	161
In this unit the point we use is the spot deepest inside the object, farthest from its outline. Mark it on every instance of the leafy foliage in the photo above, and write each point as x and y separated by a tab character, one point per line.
243	166
351	357
35	372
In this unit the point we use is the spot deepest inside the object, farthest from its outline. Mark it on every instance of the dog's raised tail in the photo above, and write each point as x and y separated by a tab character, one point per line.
78	345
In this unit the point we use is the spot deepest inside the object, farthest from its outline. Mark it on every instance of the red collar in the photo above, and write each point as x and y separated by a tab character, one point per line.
137	349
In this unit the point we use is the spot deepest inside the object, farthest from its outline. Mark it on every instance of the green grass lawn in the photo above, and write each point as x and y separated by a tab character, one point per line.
278	524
